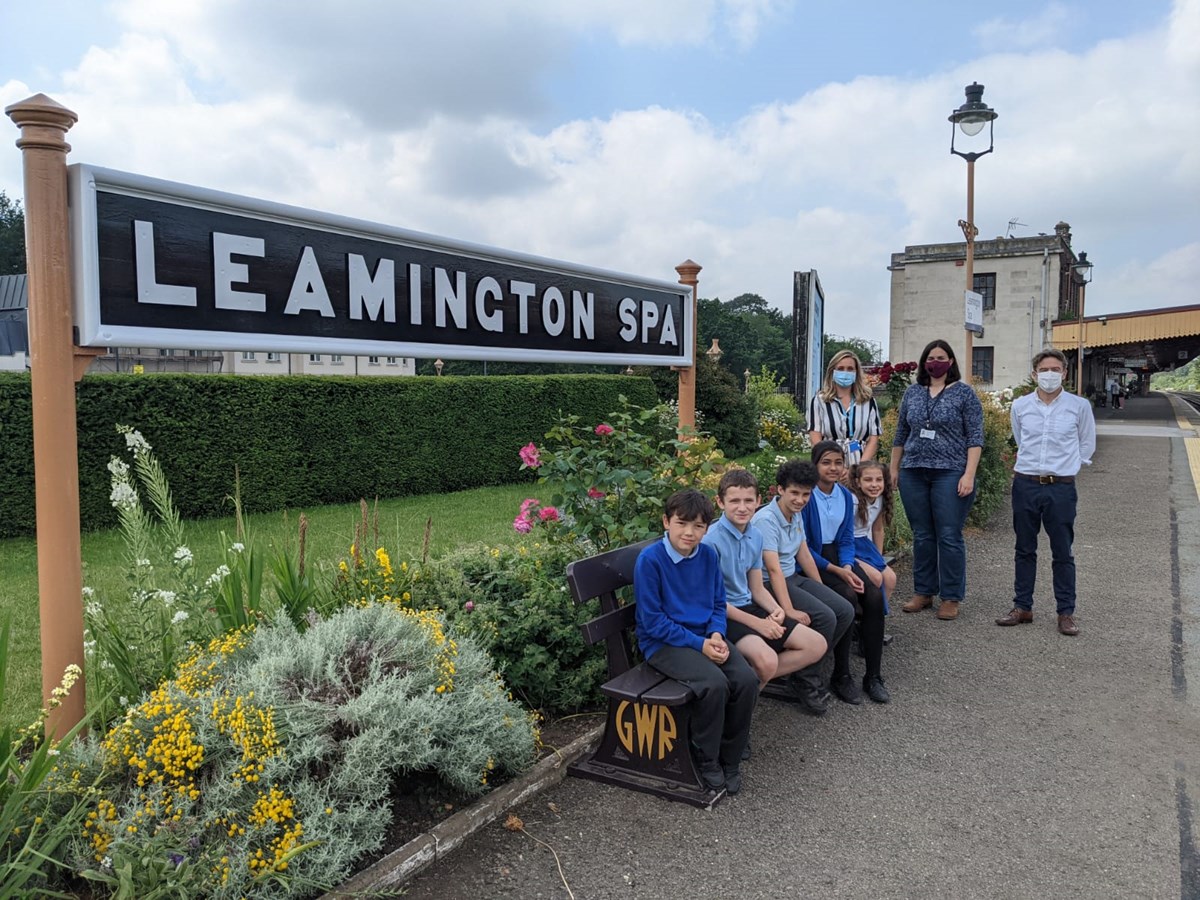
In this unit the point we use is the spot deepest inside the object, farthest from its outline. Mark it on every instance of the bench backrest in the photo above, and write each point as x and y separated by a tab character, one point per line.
600	576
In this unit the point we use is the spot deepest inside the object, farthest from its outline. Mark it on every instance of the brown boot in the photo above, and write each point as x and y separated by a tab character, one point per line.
918	603
948	610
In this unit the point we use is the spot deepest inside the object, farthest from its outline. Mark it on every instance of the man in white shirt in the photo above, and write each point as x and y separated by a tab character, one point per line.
1056	436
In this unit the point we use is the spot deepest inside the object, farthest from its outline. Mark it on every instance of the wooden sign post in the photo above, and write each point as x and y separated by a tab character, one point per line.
53	365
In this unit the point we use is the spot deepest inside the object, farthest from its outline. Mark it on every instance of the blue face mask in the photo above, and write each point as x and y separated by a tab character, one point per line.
845	379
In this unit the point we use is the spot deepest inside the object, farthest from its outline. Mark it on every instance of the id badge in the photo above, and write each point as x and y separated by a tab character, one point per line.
928	433
855	447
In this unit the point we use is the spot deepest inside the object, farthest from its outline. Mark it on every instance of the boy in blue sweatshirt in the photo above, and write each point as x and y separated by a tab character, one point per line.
680	596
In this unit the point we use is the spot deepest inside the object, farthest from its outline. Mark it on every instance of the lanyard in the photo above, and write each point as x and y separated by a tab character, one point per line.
847	416
933	405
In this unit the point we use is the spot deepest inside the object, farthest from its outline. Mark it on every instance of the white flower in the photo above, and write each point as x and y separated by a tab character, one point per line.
217	577
52	752
123	700
92	609
167	597
118	468
106	863
134	440
89	592
123	495
237	548
183	556
143	564
89	646
180	616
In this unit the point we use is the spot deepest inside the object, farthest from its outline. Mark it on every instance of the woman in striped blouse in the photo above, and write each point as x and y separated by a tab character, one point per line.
844	410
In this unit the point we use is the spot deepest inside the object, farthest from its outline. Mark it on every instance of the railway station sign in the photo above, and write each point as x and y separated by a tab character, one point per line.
159	264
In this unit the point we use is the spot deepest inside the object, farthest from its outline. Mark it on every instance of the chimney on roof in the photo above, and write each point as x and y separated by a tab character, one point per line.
1063	230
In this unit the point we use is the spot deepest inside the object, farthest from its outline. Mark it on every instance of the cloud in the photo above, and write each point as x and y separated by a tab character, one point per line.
1038	31
242	98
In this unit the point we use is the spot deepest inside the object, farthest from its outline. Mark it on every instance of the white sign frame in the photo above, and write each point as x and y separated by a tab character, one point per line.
973	311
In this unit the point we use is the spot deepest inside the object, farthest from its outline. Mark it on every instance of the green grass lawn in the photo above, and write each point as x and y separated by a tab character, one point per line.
482	515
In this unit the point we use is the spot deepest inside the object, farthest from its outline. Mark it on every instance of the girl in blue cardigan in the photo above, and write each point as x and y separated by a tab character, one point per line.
829	530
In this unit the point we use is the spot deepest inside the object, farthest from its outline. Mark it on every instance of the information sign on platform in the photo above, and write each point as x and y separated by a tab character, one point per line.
974	311
159	264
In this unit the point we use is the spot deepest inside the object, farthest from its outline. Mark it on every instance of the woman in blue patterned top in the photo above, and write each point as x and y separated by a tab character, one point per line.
939	438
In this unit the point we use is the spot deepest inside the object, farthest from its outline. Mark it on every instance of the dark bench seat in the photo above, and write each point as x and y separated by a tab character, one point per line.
647	731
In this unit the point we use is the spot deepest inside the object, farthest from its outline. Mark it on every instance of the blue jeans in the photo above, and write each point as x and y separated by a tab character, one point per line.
1050	506
937	516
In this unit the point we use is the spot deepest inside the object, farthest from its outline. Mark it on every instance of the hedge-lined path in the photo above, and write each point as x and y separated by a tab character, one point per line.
1012	763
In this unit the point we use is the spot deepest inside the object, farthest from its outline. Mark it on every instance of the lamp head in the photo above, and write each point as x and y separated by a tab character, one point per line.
1083	269
974	114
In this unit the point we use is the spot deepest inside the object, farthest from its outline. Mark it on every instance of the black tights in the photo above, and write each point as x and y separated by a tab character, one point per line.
870	629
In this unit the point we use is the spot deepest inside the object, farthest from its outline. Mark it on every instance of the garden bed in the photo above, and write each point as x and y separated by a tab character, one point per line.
426	803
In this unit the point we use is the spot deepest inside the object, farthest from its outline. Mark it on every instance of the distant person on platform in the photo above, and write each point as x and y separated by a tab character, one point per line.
1114	388
1056	435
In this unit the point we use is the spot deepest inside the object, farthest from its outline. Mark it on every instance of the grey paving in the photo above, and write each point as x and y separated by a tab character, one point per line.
1013	762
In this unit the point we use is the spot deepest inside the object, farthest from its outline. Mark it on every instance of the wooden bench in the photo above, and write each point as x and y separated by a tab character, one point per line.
647	733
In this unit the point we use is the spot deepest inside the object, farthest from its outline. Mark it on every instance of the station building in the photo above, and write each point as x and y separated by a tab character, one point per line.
1027	284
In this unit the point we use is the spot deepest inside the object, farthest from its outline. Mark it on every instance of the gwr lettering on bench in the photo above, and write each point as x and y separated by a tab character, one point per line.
645	721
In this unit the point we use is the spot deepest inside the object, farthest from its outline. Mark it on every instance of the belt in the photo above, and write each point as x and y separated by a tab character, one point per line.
1046	479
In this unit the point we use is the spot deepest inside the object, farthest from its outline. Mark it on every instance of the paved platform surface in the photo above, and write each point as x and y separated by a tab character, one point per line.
1012	763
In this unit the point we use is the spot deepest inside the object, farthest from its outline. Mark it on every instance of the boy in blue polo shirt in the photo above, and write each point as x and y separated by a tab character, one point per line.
680	596
792	576
773	644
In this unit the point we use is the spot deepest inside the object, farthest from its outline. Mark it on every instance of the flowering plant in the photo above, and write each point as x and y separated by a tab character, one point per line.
609	481
894	377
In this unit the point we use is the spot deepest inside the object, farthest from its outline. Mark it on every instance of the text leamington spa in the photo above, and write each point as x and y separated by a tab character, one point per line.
234	280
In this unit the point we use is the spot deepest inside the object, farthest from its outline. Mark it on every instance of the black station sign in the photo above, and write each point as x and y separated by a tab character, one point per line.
167	265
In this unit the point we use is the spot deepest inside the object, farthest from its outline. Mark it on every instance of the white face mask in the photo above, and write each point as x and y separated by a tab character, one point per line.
1049	381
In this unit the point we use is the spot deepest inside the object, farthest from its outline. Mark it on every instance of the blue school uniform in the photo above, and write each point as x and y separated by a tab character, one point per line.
864	544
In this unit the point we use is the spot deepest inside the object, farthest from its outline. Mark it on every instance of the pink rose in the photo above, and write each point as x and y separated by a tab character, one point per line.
604	430
469	605
548	514
595	493
529	455
528	503
522	525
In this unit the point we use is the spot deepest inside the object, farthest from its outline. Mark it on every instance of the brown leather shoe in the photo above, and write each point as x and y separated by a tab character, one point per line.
1067	626
918	603
948	610
1018	616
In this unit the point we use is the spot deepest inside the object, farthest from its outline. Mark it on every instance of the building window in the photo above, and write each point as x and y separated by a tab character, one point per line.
272	357
985	284
195	353
982	360
335	358
166	352
314	357
393	361
373	360
247	356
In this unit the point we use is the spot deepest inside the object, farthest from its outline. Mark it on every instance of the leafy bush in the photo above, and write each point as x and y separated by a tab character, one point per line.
267	765
514	602
300	441
729	415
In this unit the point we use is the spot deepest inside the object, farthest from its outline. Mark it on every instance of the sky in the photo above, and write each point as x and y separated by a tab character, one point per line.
756	137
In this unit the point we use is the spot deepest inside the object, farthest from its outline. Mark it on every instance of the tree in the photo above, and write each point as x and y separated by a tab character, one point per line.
12	236
751	334
866	351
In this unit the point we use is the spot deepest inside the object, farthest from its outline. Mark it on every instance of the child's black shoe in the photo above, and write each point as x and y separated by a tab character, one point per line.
846	689
733	780
875	690
712	775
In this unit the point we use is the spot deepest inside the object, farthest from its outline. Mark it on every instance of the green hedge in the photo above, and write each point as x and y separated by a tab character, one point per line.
300	441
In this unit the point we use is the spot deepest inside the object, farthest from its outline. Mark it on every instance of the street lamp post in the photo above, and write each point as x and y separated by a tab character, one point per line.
970	118
1083	269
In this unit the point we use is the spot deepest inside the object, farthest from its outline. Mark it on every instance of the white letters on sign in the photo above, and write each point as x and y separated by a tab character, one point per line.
148	288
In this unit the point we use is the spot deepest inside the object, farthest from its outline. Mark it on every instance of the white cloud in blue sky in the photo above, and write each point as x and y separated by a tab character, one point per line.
757	137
